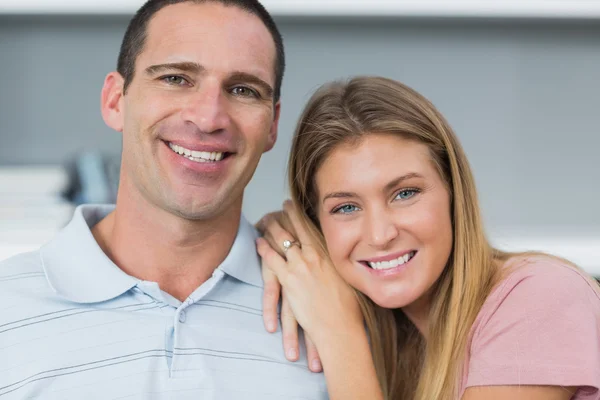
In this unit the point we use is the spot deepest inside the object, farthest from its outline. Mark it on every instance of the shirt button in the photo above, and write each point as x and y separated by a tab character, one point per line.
182	317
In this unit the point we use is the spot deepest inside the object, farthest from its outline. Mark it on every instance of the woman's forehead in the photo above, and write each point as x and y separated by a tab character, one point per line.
374	157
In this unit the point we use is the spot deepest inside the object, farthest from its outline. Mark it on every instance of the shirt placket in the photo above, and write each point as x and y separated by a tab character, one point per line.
181	320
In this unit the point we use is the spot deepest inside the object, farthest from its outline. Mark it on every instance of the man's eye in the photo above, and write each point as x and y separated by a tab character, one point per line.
175	80
244	91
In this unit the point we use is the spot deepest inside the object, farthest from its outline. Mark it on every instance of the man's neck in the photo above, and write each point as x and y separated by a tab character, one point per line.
154	245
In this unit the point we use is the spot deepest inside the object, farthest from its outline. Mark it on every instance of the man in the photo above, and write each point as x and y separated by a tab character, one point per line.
160	298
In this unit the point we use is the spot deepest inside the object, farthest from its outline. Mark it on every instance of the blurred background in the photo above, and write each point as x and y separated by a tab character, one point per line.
518	81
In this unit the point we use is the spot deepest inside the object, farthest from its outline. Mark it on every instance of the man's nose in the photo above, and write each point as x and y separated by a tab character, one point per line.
207	109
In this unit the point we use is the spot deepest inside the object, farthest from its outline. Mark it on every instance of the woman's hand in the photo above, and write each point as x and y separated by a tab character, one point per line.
324	305
320	300
289	325
271	295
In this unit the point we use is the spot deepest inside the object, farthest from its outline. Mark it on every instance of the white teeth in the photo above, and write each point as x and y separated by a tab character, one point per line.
198	156
393	263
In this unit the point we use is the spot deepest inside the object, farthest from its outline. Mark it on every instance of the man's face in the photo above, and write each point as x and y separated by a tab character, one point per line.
199	111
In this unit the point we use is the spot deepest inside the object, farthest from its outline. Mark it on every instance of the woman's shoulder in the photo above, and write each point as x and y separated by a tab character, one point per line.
530	284
540	325
542	272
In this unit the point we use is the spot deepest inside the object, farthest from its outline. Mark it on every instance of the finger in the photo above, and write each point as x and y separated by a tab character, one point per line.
294	217
311	250
279	235
312	355
289	328
272	260
271	293
261	225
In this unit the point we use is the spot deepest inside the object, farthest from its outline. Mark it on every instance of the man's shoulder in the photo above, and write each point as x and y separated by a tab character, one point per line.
22	275
23	263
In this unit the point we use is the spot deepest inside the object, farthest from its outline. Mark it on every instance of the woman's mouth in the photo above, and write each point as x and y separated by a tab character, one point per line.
392	263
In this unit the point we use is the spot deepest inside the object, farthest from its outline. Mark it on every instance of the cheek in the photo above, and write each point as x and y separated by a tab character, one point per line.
429	221
435	233
152	108
332	239
341	239
253	123
433	225
441	224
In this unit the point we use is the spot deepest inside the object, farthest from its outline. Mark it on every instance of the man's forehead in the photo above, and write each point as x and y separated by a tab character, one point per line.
220	37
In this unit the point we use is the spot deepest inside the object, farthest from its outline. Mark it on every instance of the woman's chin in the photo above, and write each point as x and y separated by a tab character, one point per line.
391	300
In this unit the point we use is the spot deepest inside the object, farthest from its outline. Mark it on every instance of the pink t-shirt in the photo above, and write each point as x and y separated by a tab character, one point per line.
539	326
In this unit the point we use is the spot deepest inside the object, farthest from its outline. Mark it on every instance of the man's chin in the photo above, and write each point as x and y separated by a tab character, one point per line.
214	209
197	212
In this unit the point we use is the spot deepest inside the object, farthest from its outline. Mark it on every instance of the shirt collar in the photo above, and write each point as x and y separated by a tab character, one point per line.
78	270
242	262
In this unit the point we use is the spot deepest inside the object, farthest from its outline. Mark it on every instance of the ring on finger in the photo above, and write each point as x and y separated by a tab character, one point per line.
287	244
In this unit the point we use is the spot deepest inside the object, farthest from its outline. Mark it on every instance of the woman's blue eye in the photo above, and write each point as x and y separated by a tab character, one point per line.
345	209
406	194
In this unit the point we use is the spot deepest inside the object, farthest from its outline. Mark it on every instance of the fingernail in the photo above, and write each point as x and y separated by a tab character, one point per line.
316	365
271	326
292	353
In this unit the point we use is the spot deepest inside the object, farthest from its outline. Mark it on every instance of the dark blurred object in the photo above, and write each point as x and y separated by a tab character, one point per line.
94	179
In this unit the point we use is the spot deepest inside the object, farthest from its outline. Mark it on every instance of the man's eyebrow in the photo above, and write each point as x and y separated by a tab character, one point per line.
245	77
191	67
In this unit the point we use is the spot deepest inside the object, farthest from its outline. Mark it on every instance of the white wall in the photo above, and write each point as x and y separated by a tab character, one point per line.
522	95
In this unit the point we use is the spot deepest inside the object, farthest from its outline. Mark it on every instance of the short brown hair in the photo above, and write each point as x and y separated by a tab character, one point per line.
135	36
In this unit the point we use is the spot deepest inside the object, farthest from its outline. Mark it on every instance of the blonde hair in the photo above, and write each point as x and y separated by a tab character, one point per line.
407	366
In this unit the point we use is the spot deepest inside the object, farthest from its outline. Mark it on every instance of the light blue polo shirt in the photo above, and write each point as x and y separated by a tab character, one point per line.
75	326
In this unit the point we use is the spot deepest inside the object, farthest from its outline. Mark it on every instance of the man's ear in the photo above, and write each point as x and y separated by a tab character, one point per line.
272	138
111	102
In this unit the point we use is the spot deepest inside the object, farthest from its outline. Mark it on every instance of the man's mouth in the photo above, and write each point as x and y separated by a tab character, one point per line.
198	156
389	264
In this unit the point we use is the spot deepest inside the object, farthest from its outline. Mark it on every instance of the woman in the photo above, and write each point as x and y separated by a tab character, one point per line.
384	201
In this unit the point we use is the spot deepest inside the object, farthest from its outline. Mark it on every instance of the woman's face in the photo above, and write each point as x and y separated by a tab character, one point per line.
385	214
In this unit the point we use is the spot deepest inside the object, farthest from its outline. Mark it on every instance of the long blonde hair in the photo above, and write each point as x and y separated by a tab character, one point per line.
407	366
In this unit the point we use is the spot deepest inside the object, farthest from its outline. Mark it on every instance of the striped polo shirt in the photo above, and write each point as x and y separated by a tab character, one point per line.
75	326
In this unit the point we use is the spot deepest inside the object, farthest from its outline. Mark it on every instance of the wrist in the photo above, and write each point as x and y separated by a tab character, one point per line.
343	339
348	365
